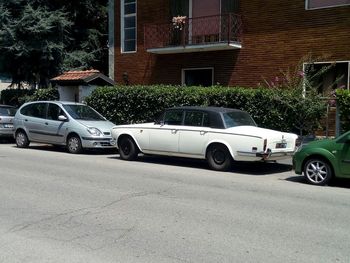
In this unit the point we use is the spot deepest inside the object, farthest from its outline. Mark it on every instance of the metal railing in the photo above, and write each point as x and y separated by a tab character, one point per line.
225	28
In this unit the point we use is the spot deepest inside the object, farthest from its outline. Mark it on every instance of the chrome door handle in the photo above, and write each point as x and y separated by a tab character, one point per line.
173	131
202	132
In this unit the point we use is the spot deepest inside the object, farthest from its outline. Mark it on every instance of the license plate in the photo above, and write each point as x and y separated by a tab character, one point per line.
10	126
281	145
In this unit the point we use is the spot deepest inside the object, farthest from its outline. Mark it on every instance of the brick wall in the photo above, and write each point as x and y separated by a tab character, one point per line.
277	34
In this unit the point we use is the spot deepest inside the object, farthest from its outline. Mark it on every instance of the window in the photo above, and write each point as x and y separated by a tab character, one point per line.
198	77
7	111
315	4
328	76
37	110
54	111
173	117
128	25
196	118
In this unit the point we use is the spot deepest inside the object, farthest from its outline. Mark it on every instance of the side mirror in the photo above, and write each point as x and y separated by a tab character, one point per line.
62	118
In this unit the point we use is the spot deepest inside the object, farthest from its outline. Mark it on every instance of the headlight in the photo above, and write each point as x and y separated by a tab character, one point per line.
94	131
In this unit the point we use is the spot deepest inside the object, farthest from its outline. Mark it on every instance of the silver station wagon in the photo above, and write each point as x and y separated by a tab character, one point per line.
75	125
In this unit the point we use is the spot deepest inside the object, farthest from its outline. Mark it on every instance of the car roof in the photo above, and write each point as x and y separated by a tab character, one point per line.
56	101
206	108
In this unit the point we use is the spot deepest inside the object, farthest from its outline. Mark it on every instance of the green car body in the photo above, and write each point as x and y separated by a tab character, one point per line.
322	160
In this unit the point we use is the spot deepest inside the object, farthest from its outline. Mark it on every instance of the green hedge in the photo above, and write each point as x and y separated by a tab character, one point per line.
280	110
343	104
17	97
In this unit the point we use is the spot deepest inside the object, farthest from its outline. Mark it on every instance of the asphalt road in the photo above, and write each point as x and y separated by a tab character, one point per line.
58	207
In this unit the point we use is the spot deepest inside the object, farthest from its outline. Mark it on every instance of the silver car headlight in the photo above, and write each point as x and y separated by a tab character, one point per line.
94	131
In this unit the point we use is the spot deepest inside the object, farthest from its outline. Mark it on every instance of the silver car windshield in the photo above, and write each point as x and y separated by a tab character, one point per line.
83	112
7	111
238	118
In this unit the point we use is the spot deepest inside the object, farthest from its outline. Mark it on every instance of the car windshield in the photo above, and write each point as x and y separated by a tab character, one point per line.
83	112
238	118
7	111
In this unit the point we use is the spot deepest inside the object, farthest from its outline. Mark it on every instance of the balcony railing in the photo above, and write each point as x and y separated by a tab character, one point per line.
195	34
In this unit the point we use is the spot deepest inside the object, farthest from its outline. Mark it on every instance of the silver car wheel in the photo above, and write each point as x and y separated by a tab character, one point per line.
74	145
22	140
317	172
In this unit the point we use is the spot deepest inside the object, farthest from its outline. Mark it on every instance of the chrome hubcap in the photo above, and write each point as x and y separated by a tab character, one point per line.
316	171
20	139
73	144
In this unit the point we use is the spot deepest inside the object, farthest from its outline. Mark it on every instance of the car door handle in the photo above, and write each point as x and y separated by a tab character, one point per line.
25	120
202	132
46	123
173	131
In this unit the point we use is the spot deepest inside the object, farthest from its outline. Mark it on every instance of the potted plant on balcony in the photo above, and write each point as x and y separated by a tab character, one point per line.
178	23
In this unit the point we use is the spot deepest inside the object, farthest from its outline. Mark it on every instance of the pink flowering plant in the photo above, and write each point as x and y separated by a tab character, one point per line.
307	105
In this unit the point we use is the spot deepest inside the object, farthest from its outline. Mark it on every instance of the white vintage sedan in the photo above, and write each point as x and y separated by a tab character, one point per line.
219	135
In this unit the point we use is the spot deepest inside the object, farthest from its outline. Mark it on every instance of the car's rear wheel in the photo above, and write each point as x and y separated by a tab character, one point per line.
74	144
219	157
127	149
22	140
317	171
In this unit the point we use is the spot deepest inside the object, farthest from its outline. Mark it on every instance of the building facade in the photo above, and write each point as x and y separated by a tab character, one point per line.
226	42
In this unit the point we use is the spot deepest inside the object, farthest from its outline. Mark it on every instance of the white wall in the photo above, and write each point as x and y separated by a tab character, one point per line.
68	93
85	91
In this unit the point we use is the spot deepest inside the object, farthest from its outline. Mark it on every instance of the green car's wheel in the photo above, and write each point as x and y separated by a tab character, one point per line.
317	171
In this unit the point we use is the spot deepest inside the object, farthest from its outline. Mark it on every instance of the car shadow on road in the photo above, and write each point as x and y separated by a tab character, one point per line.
62	149
249	168
336	182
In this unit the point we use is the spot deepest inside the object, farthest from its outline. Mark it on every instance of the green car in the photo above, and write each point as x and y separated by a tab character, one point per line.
322	160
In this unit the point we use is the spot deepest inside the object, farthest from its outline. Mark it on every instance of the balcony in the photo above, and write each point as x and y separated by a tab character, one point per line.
211	33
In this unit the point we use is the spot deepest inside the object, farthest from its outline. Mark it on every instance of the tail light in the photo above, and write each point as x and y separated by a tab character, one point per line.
298	141
265	145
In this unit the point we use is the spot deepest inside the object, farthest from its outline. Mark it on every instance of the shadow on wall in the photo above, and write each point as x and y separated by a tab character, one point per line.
168	69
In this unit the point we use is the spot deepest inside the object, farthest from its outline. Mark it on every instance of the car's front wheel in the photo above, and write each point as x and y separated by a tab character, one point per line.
22	140
317	171
219	157
74	144
127	149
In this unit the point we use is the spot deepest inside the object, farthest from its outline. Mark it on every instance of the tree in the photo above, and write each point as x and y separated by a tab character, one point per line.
39	39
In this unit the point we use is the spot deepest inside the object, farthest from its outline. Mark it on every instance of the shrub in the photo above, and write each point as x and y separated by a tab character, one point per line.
343	103
135	104
14	96
17	97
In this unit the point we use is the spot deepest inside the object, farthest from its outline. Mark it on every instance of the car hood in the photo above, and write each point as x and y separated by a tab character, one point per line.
261	132
104	126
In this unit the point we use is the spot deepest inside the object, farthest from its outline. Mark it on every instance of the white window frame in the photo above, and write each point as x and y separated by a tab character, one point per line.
191	69
122	33
328	6
332	62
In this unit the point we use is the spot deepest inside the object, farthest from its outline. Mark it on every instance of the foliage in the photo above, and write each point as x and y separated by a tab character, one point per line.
343	103
14	97
135	104
40	38
307	105
17	97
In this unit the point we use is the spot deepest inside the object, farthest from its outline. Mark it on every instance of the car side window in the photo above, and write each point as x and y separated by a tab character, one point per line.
196	118
35	110
54	111
173	117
